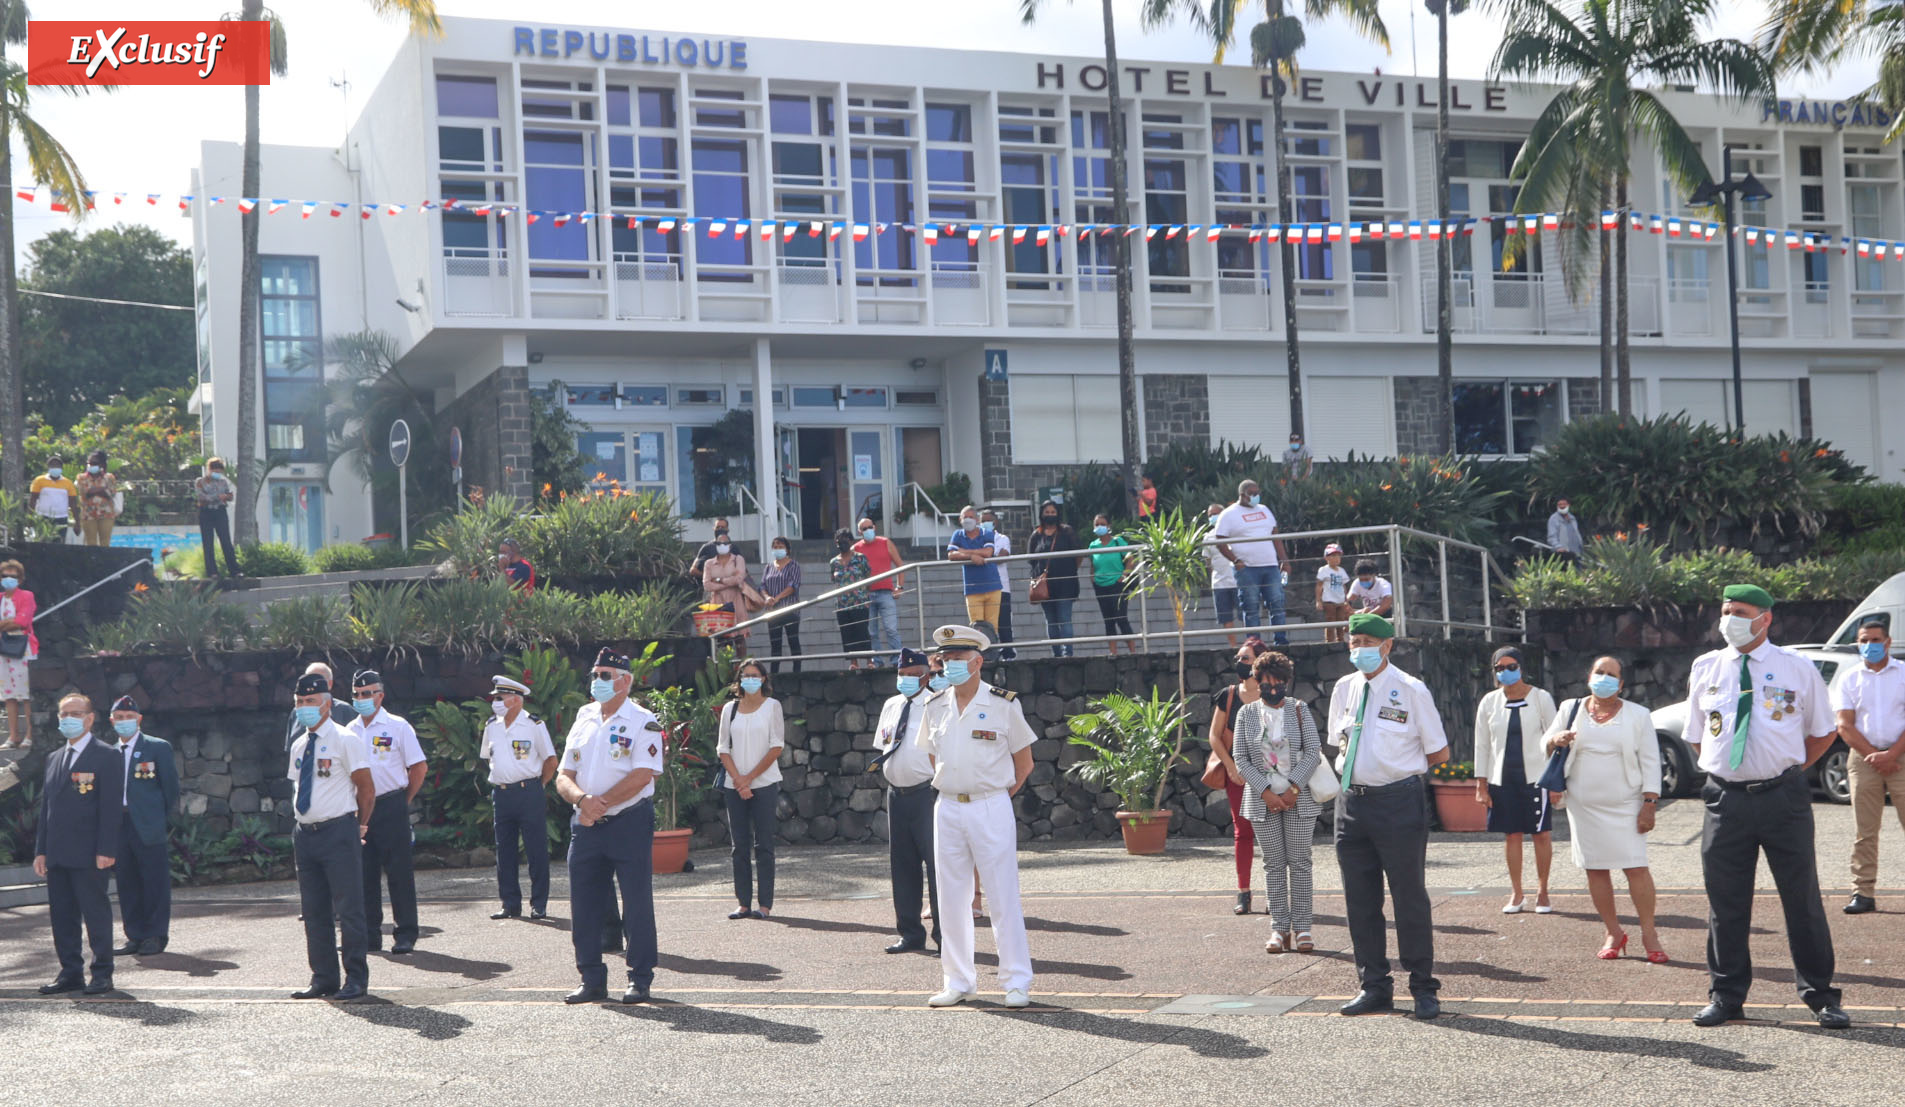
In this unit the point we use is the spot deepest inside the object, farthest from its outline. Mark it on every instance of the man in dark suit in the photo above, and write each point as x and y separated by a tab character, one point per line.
77	841
145	849
341	712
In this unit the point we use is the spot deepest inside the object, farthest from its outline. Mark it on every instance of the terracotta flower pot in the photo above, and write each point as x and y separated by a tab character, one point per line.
1144	831
1456	805
671	850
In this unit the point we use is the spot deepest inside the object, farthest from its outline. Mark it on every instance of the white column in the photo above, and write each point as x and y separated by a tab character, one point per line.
767	477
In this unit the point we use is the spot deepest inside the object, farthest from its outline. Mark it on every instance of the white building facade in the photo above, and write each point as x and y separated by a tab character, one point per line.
869	363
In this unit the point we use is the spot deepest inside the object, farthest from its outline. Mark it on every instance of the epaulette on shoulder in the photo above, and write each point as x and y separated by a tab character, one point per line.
1002	693
533	718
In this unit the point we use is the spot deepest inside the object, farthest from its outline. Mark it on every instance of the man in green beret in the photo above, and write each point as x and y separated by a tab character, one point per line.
1386	724
1759	714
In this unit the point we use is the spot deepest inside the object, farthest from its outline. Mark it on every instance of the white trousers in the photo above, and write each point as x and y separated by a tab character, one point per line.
981	836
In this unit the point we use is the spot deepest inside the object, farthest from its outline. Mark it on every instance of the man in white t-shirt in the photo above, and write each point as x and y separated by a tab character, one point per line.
1370	593
1223	577
1246	538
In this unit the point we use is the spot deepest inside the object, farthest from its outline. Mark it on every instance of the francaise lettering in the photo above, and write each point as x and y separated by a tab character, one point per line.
1309	90
1837	113
631	49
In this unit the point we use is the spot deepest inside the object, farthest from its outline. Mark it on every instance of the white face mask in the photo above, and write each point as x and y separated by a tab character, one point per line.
1737	630
498	708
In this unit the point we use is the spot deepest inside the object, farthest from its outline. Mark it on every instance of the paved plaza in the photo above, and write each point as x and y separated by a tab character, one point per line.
1148	990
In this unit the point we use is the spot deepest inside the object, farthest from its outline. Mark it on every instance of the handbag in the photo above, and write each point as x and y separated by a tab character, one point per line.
1041	589
1215	775
720	778
13	644
1554	778
1324	786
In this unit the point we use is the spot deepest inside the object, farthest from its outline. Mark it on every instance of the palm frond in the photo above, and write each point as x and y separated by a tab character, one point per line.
421	14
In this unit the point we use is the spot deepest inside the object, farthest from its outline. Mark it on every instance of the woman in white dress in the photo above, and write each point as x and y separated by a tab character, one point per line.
1613	771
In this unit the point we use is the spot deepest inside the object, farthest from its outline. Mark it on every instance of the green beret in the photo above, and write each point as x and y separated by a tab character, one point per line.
1750	593
1373	625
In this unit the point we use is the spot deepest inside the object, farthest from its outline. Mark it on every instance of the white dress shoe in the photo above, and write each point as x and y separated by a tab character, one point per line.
948	998
1017	998
1544	909
1514	908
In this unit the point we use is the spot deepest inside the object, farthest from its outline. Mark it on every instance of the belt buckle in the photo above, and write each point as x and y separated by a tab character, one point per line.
965	797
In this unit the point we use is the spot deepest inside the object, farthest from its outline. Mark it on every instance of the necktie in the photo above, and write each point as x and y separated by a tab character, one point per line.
899	735
307	774
1355	735
1743	715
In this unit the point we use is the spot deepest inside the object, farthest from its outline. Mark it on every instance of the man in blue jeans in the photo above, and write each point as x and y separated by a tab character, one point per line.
1245	534
884	618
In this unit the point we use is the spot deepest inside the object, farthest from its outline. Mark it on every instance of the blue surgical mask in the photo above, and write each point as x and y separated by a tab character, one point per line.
1508	676
310	717
968	524
126	728
602	690
938	682
1873	652
750	685
1603	685
1101	530
9	583
868	534
93	469
71	727
1255	499
366	708
908	685
55	472
985	529
1367	659
958	672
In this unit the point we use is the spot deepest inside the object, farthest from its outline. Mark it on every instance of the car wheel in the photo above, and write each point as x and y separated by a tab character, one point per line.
1833	779
1676	771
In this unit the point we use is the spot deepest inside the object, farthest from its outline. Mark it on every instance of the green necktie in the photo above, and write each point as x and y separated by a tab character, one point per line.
1355	734
1743	715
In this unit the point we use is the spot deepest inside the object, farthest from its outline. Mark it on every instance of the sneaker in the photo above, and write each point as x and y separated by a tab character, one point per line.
1016	997
949	997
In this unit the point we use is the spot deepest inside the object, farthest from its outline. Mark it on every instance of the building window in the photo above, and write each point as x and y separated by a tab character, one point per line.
721	192
1816	269
1507	417
701	397
1316	261
950	174
558	100
1812	162
747	397
1166	200
1031	199
293	339
466	97
1091	190
1867	206
559	178
915	398
1061	419
591	395
644	395
883	193
297	514
1026	125
863	397
1239	180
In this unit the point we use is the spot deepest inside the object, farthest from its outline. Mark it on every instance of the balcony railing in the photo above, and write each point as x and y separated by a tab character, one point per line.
649	287
476	283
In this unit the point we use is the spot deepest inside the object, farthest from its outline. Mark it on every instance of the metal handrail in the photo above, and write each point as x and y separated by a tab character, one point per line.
115	575
744	495
940	516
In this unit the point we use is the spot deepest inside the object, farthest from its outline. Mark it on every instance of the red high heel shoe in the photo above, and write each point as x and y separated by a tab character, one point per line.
1657	957
1613	952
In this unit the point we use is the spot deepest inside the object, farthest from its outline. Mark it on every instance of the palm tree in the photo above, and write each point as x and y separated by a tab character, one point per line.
50	165
1608	55
1444	246
359	401
1274	44
1807	36
250	470
1121	245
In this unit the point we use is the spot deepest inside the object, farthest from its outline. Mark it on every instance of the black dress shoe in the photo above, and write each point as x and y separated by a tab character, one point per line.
1717	1013
350	992
587	994
63	984
636	993
98	985
506	913
537	913
1368	1003
403	946
151	946
1859	905
1428	1006
316	991
126	948
1833	1017
905	945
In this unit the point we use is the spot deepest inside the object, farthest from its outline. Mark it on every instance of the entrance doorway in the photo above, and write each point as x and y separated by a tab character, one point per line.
842	477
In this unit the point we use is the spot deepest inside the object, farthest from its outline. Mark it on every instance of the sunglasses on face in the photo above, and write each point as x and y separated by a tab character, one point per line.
605	674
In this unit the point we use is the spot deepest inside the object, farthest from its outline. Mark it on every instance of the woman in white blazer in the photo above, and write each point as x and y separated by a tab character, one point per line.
1613	770
1509	723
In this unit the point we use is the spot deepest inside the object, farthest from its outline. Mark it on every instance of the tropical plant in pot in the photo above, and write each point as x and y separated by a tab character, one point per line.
1132	745
690	720
1171	561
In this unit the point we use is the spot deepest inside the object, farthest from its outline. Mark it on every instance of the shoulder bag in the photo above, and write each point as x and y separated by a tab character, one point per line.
720	779
1324	786
1554	778
1041	589
1215	776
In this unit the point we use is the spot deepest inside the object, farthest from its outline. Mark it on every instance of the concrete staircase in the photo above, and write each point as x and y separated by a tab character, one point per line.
258	591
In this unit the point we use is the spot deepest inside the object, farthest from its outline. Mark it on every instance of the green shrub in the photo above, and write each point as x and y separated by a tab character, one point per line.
345	557
605	535
950	495
385	616
468	539
181	616
467	616
187	563
1621	573
652	612
314	623
272	559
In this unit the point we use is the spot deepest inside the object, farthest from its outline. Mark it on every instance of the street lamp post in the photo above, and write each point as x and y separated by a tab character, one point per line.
1728	189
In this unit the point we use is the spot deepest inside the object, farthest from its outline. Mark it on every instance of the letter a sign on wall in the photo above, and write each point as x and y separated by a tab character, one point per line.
995	365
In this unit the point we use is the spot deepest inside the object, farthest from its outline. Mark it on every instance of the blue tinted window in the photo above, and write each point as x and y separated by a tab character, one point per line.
471	97
948	123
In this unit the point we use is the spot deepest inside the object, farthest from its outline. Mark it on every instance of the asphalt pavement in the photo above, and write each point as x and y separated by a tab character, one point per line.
1148	989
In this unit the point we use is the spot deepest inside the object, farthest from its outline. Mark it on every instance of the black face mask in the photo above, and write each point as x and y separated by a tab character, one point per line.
1242	669
1273	693
1050	520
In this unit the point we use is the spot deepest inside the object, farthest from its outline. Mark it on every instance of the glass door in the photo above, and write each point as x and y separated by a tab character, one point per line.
787	480
866	473
297	514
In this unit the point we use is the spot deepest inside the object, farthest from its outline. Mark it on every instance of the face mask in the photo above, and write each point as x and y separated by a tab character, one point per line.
1212	519
55	472
1050	520
1873	652
1737	630
1272	693
71	727
218	472
126	728
1562	510
1254	499
958	672
1367	659
986	529
1603	685
969	525
867	534
310	717
1242	669
1101	530
94	470
722	548
750	685
602	690
9	583
366	708
938	682
908	685
1508	676
1296	443
780	553
498	708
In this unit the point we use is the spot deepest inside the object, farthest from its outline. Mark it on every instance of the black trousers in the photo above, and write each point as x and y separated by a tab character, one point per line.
216	521
144	875
787	628
854	633
76	896
331	894
1739	826
520	813
909	847
751	829
619	849
389	855
1114	603
1383	834
1005	616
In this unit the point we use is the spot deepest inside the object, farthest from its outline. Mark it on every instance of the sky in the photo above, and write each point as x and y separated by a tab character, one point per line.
140	140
